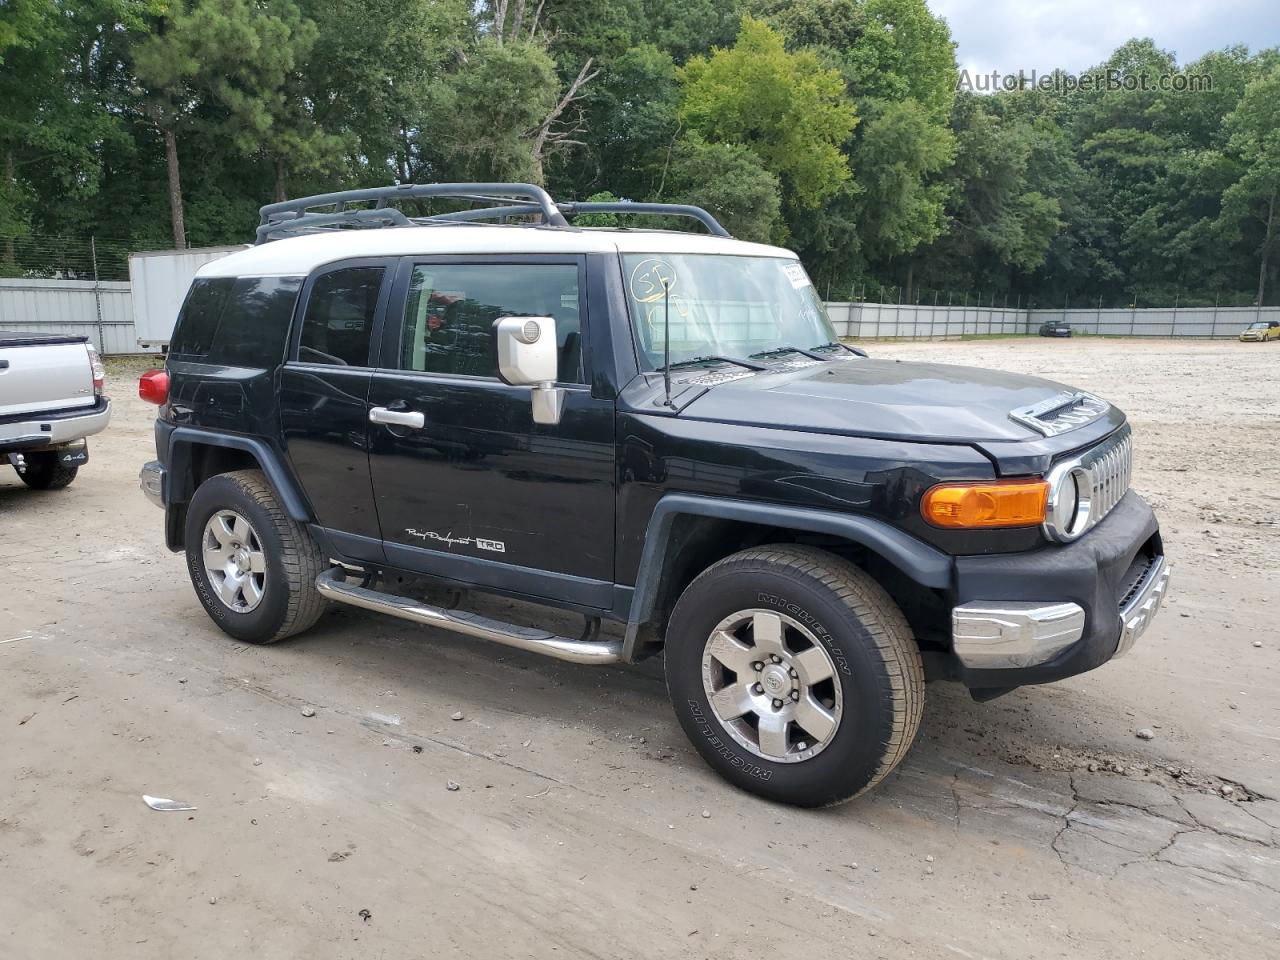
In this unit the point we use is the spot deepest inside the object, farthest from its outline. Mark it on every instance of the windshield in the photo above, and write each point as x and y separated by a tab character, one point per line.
723	306
1260	325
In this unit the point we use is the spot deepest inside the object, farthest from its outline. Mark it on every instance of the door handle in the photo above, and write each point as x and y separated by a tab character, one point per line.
408	418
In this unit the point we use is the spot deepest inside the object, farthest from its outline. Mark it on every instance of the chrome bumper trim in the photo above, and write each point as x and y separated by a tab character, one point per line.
1001	635
151	480
58	430
1137	614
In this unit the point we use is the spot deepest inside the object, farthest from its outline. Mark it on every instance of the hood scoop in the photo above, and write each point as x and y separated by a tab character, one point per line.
1060	413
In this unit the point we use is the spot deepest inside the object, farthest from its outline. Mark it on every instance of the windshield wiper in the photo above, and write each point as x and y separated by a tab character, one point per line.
777	351
842	346
715	358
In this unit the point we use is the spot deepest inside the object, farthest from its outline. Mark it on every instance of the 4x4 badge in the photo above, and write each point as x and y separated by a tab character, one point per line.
480	543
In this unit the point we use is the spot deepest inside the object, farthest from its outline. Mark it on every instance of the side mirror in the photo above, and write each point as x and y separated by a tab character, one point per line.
527	357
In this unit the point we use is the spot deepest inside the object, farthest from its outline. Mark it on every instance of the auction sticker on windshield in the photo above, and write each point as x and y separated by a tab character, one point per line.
795	273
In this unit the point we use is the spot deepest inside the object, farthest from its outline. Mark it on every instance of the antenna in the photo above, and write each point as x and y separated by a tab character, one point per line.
666	340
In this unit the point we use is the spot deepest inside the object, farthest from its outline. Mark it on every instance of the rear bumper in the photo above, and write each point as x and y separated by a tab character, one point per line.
34	431
1061	610
151	479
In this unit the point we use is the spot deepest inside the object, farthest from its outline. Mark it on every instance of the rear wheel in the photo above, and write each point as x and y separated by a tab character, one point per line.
44	471
253	566
794	674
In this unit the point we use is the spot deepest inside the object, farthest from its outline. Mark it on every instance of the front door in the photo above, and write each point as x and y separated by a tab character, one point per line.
466	485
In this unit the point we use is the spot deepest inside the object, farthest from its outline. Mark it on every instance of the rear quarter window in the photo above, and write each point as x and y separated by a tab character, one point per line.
198	319
238	322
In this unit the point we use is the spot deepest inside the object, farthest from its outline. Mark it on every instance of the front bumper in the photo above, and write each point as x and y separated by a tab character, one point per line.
1061	610
53	429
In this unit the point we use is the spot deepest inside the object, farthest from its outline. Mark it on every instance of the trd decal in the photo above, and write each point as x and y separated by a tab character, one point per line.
448	539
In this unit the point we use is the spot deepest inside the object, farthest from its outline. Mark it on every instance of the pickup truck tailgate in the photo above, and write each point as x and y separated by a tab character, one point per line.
43	374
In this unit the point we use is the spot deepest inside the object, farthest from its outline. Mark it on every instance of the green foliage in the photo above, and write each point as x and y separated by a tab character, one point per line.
831	126
786	108
728	180
486	111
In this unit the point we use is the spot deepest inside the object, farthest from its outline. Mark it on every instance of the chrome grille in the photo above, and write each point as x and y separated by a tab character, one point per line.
1085	488
1110	467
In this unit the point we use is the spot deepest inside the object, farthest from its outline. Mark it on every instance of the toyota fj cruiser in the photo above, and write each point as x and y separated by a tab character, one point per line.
651	427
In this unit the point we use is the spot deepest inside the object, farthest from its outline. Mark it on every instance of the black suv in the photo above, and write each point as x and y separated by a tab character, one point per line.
650	427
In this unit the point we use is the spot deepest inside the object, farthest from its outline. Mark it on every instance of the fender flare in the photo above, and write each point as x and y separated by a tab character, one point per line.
278	475
922	563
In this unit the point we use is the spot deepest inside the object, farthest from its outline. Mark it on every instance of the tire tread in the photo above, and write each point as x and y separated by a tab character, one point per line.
884	622
300	557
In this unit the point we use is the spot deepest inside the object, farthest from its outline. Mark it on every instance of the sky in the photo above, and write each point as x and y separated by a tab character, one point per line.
1041	35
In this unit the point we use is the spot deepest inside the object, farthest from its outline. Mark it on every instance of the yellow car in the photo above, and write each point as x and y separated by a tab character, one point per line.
1261	331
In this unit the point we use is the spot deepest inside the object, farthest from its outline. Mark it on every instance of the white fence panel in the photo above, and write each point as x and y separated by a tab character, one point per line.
887	321
101	311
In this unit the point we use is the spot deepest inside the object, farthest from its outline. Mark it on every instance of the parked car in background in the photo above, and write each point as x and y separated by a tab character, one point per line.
51	399
1261	331
1055	328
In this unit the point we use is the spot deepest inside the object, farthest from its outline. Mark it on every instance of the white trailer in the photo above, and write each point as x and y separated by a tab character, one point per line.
159	280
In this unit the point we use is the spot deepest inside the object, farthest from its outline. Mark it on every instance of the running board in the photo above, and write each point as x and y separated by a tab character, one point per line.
332	585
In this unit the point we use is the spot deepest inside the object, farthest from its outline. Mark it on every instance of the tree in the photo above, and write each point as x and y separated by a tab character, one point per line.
373	79
1254	128
234	52
493	104
786	108
729	181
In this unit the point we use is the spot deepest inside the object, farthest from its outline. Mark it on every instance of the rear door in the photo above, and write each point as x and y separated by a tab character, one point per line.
479	492
43	374
324	392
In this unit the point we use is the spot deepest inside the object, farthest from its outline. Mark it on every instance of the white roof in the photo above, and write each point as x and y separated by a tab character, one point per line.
298	256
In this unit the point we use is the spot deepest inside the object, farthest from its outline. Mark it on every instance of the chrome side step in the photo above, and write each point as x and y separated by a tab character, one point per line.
332	585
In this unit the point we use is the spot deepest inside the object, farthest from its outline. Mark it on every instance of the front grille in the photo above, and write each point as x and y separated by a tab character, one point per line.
1110	467
1085	488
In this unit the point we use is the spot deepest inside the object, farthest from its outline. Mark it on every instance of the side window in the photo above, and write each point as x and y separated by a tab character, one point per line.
198	319
255	322
448	322
339	317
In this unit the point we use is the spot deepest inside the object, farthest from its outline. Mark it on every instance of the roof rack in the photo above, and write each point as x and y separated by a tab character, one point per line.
293	217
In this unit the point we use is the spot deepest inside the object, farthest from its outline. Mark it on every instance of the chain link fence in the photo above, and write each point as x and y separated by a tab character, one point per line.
36	257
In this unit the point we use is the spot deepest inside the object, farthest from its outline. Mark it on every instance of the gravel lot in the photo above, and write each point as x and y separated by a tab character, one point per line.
1038	825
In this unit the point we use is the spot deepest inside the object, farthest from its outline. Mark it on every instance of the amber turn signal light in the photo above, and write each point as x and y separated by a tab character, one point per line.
977	506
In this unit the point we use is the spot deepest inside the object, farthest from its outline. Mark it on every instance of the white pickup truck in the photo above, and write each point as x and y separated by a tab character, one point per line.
50	400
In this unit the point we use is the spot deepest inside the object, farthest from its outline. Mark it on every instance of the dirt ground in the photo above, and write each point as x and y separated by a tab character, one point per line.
1037	825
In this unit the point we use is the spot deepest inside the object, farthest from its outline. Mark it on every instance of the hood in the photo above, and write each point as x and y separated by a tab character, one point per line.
928	402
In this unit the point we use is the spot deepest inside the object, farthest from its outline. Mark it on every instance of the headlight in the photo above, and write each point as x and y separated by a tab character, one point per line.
1069	502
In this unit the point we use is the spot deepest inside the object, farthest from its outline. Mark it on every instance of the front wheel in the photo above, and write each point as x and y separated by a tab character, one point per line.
794	674
253	566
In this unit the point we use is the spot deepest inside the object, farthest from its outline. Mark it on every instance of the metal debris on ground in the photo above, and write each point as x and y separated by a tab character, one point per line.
308	711
365	915
417	748
16	639
452	785
23	721
165	805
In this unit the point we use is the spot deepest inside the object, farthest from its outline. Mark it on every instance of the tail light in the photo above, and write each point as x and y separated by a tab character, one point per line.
153	387
99	371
